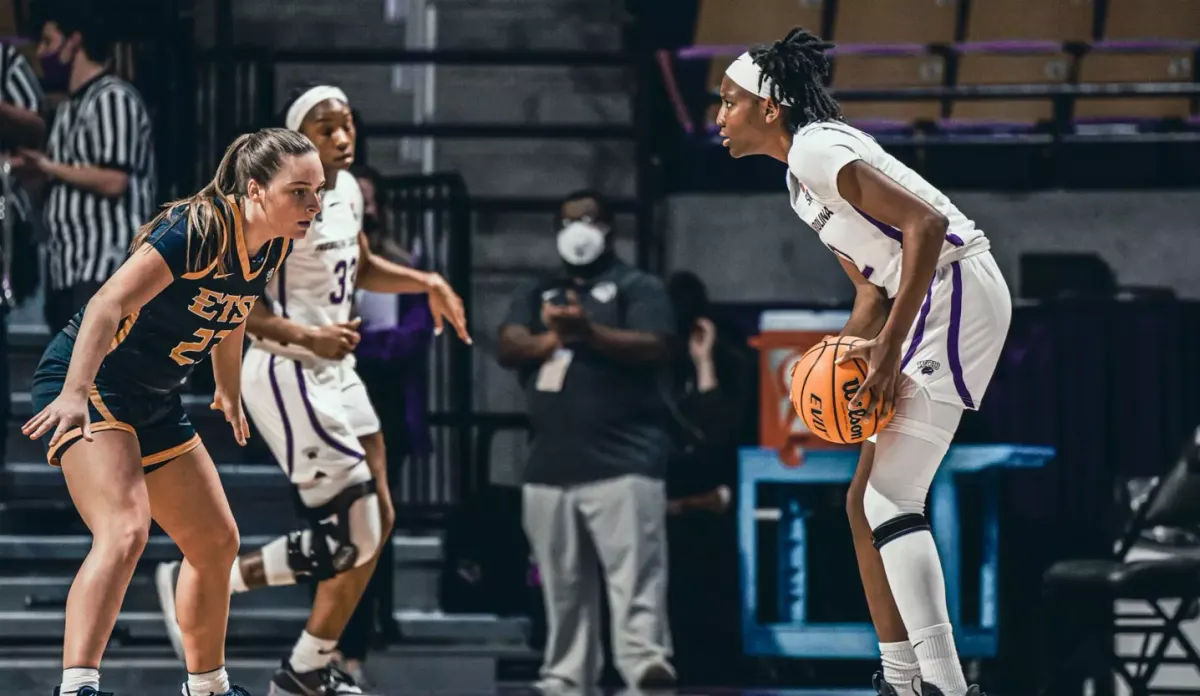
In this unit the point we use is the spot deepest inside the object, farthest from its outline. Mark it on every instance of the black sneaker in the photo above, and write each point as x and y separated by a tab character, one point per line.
329	681
930	690
85	691
882	688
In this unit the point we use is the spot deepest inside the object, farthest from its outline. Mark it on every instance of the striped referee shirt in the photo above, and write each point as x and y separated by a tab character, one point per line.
19	87
103	124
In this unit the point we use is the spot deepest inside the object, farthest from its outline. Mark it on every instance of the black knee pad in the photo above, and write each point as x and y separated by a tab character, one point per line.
329	522
897	527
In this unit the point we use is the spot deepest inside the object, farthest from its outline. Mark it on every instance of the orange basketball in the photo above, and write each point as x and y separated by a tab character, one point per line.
822	391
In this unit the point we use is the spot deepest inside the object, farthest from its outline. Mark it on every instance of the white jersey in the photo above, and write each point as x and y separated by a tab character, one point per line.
819	151
315	286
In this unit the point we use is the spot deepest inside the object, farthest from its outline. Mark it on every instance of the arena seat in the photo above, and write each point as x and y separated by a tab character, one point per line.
895	22
888	69
1027	66
1135	64
1147	20
724	29
727	23
1060	21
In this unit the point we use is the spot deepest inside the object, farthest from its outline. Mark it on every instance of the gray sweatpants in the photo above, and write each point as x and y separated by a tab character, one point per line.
615	527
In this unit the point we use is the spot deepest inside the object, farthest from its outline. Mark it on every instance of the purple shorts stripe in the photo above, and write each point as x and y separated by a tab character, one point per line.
956	369
867	271
316	424
287	426
919	331
888	230
954	239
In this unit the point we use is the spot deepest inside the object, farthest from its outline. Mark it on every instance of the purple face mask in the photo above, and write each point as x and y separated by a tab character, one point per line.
56	74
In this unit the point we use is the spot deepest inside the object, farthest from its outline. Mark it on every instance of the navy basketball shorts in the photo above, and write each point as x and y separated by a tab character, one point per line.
157	420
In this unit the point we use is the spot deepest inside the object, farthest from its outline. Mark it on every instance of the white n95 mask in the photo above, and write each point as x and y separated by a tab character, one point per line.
580	243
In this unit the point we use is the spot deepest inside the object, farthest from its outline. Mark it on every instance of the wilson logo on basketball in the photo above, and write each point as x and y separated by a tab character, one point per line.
856	415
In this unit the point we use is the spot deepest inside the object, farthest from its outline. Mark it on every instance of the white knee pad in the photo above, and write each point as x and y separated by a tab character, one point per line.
908	453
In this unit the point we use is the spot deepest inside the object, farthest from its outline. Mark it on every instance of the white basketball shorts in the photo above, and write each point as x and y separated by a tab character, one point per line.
954	344
311	418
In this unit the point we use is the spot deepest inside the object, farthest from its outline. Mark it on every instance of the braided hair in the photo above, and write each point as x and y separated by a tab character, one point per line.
798	67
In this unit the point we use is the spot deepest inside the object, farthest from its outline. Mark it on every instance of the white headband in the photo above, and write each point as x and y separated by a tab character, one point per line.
304	104
747	75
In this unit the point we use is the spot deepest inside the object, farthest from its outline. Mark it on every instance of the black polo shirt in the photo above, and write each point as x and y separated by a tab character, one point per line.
608	419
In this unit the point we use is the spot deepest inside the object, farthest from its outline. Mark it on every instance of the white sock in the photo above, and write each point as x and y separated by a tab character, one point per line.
237	584
900	666
209	683
939	659
75	678
311	653
915	575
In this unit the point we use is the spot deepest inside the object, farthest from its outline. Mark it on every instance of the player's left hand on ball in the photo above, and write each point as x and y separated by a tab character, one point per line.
232	408
878	390
445	304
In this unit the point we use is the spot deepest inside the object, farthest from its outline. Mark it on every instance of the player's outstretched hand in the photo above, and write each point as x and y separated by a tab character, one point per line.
335	341
446	305
878	390
232	408
66	412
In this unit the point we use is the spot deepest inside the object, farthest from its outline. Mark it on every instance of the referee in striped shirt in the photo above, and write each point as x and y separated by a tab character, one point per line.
99	161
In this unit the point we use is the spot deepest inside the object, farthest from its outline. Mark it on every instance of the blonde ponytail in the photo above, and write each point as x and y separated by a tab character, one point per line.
251	156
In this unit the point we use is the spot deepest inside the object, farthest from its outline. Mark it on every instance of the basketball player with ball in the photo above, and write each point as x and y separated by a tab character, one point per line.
931	313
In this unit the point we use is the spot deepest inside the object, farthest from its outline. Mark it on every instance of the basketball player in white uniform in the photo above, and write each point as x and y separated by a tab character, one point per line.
936	311
306	401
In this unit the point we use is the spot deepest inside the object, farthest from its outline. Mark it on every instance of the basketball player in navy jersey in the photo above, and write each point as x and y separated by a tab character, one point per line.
107	392
934	309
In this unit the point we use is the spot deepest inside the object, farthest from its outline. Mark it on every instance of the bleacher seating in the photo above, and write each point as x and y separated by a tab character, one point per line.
885	44
879	69
1135	64
1153	20
893	22
1058	21
985	66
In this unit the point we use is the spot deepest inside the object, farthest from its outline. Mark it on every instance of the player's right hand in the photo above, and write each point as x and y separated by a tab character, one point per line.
335	341
66	412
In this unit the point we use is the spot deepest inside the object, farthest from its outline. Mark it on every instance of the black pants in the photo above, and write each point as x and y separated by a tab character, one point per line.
62	304
374	616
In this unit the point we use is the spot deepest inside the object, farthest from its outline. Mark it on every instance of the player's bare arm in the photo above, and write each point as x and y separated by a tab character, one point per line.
377	274
135	283
227	375
924	230
332	342
871	305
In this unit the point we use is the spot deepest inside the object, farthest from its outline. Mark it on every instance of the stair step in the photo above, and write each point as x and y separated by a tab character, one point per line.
528	24
402	669
409	550
539	167
551	95
269	626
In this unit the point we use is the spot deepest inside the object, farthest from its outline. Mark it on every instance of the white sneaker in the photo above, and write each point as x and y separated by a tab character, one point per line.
166	577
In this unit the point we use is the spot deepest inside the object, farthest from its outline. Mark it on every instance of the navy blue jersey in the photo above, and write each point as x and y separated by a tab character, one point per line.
156	348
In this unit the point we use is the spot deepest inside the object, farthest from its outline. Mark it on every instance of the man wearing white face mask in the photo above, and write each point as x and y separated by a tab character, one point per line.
590	346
